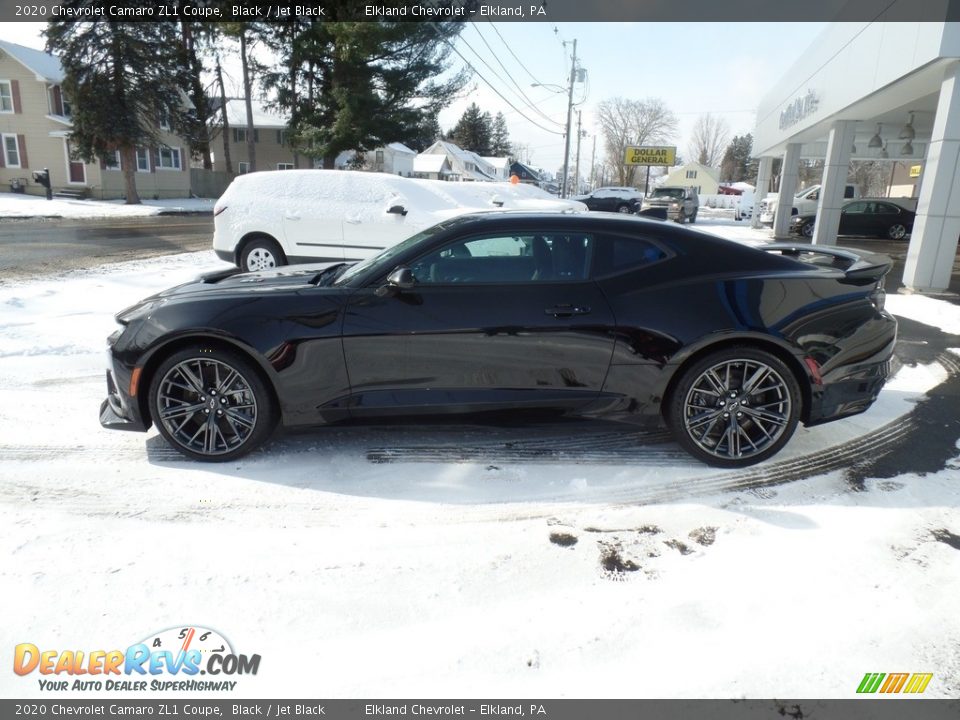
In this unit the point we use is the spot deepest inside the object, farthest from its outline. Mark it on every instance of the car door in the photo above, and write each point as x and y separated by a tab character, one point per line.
312	220
494	321
885	216
853	219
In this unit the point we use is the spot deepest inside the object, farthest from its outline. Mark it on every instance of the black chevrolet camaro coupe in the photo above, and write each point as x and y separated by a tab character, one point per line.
573	314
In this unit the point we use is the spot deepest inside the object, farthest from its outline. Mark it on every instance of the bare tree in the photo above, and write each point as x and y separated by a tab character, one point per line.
626	122
709	140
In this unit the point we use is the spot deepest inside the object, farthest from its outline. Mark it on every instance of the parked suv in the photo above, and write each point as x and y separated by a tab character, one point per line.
681	203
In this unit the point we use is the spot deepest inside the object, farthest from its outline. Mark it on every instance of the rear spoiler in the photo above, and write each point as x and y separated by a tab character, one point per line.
858	267
212	278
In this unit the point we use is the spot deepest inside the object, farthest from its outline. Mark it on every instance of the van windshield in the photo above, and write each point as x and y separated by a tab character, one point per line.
676	193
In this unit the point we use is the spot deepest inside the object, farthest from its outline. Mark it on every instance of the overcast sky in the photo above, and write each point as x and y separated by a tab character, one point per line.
721	68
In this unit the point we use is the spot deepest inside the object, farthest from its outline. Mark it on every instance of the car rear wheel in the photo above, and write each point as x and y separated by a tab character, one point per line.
623	209
211	404
897	231
735	407
262	253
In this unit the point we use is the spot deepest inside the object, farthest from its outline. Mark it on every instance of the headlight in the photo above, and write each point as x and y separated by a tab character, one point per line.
674	205
138	311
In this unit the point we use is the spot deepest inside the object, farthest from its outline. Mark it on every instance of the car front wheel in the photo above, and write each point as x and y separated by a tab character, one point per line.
735	407
261	253
211	404
897	231
807	230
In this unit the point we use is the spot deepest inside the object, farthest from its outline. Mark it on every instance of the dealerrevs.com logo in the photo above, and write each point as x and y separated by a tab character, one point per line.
173	659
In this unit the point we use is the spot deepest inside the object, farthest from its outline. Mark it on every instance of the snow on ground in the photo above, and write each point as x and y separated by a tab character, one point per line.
604	570
23	206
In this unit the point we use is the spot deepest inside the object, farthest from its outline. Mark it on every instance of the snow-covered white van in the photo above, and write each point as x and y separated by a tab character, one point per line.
267	219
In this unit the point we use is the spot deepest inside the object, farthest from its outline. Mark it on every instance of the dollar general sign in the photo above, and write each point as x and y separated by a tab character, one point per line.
651	155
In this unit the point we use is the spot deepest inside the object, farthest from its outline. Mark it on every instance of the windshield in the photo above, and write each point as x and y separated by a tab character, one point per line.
384	259
668	193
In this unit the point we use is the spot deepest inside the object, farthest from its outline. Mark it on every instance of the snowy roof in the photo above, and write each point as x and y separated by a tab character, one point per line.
262	118
44	65
500	163
429	163
401	148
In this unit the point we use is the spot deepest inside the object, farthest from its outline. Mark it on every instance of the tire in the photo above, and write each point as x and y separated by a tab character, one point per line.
897	231
261	253
681	216
624	209
211	404
693	218
807	230
726	430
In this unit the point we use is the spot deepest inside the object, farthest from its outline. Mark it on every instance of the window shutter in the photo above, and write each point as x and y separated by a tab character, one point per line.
183	163
3	155
22	145
154	155
57	100
15	91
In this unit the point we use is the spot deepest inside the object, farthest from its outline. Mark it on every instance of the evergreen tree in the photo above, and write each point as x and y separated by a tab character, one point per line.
737	165
500	141
473	131
359	85
121	79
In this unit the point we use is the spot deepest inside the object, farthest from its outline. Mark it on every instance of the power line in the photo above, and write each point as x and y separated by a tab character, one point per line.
510	50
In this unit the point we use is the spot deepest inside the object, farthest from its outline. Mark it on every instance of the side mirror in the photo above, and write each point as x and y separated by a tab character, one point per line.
397	210
400	279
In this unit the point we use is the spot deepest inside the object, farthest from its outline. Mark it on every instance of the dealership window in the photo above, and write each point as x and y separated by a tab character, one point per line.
6	96
508	259
243	167
240	135
284	166
168	159
691	174
11	151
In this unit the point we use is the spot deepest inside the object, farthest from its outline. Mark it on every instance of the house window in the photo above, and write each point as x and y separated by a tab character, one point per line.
281	137
143	160
284	166
243	167
168	158
112	161
11	151
6	97
379	157
240	135
164	120
691	174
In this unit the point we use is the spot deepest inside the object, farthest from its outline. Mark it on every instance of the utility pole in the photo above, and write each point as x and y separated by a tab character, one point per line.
576	171
593	161
566	148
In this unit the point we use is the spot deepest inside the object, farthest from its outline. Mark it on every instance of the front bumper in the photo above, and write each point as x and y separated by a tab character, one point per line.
119	411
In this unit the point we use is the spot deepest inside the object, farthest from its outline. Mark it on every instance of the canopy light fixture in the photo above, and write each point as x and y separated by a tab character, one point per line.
908	133
907	149
883	152
875	141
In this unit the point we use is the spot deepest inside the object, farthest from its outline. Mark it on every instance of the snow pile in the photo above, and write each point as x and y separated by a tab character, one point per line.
22	206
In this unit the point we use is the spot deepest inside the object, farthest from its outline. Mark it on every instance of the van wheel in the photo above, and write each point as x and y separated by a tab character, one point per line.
262	253
693	218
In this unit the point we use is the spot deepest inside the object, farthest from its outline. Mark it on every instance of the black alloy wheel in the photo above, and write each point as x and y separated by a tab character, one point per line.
807	229
735	407
211	404
897	231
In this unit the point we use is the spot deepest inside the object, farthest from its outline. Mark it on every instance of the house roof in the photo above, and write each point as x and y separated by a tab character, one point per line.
262	118
429	163
44	65
401	148
500	163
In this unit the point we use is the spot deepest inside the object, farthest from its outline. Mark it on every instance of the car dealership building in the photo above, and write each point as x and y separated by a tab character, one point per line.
878	90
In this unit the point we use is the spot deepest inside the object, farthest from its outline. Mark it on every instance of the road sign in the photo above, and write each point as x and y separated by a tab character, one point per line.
914	171
651	155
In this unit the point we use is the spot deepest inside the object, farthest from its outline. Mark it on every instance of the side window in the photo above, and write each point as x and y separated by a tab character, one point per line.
617	255
857	208
507	258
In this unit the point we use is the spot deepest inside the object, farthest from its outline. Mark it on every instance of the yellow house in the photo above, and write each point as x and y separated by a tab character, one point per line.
35	130
706	180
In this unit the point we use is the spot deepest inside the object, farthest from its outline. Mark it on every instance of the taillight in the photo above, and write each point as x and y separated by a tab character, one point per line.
217	209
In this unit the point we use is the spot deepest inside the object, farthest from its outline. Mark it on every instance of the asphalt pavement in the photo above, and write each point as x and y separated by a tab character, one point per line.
37	246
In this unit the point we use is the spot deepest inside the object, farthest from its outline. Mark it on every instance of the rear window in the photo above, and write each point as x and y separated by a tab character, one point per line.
617	255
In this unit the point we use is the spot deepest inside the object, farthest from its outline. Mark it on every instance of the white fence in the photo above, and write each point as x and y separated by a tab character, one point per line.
723	202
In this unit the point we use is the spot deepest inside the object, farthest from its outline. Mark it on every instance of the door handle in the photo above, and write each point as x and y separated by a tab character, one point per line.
567	310
292	216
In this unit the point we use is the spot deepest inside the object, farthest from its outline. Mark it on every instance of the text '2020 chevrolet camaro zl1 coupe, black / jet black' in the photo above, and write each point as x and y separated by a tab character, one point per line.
616	317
